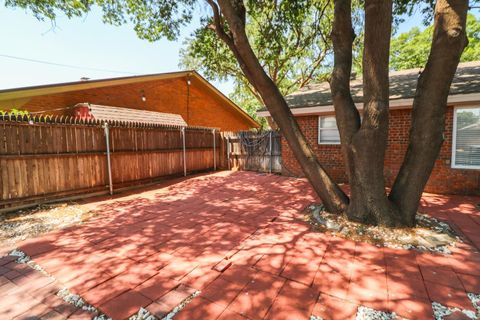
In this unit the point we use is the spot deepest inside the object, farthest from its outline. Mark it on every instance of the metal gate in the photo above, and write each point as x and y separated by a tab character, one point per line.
255	151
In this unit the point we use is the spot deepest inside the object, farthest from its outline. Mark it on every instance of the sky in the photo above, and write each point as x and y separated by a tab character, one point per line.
87	43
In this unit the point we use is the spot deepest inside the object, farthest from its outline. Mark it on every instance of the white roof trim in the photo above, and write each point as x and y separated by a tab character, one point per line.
394	104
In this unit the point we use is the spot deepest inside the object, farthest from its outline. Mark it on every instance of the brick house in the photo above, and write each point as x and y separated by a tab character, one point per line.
184	93
457	169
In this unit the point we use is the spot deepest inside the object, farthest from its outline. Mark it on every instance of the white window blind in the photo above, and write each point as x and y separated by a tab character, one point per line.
327	130
466	138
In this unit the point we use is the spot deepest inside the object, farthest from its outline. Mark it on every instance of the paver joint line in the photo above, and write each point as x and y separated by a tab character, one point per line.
238	241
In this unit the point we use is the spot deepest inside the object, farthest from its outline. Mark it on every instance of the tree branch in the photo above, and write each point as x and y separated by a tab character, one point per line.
348	118
332	196
430	104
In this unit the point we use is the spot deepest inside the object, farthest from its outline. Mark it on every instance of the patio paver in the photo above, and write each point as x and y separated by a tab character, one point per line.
238	238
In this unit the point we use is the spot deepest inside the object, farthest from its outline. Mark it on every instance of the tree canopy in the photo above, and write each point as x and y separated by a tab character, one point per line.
279	24
291	41
411	49
290	38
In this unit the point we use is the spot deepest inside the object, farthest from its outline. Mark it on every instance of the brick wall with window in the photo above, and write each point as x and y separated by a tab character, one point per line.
463	178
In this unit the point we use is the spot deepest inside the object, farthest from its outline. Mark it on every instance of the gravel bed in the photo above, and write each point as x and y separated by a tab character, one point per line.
429	235
365	313
143	313
440	311
63	293
76	300
475	298
104	317
25	259
182	305
22	224
79	303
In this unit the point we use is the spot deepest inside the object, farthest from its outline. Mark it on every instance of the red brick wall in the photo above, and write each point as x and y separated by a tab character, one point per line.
444	179
168	95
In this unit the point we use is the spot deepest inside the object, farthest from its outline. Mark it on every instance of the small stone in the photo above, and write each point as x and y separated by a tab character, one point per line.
441	239
318	218
333	226
365	313
316	211
457	315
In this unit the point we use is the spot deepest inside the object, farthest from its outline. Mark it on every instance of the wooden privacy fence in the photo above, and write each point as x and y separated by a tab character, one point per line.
254	151
49	158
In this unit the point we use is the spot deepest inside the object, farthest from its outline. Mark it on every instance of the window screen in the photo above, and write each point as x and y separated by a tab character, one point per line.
327	130
466	138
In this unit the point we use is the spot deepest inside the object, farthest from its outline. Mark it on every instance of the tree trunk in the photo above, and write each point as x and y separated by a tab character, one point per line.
429	106
369	202
332	196
364	145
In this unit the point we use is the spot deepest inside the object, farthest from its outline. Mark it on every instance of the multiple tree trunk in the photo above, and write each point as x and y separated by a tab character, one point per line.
364	141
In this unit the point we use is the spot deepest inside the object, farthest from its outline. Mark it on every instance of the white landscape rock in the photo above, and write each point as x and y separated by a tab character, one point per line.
429	235
440	311
365	313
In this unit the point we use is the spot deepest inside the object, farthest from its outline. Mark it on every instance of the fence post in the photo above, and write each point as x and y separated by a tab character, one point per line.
184	153
271	151
214	152
228	151
109	163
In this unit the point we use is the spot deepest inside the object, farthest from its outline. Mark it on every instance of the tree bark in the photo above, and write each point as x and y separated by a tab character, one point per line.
364	145
429	106
332	196
369	202
364	142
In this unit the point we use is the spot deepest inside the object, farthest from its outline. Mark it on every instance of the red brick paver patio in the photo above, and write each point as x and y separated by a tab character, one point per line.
239	239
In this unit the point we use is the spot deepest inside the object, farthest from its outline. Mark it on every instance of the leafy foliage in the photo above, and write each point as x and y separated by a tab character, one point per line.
406	8
290	39
411	49
151	20
468	118
42	9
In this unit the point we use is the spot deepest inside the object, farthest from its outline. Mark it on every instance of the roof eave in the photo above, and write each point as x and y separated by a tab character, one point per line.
27	92
405	103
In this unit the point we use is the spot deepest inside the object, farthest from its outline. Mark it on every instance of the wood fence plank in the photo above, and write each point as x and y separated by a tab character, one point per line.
3	143
5	183
44	159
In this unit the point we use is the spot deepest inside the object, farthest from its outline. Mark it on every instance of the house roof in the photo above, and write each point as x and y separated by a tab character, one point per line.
99	112
402	86
27	92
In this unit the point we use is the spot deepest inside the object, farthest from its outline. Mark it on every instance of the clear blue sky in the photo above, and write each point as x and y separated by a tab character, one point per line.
85	42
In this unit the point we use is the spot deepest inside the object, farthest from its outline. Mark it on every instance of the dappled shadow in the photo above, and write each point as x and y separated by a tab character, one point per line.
240	238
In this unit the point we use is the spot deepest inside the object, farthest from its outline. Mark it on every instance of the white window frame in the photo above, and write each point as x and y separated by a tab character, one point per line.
454	138
320	129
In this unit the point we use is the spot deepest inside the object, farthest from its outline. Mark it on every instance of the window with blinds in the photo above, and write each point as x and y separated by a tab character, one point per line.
466	138
327	130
